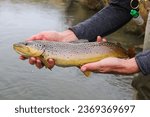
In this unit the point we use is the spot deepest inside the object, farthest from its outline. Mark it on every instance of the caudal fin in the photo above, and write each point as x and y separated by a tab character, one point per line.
131	52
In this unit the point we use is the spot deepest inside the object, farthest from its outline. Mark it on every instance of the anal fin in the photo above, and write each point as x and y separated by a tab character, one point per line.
87	73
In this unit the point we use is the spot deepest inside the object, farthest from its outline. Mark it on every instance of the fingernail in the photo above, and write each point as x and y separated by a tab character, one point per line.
32	58
38	61
83	69
50	61
21	58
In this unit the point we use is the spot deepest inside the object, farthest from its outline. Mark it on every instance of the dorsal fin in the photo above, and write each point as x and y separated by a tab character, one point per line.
80	41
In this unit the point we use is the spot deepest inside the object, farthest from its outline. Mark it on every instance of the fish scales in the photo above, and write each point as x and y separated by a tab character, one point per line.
70	54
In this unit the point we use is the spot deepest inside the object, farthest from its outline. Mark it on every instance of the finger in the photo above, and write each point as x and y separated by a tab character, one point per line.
104	40
35	37
23	58
39	64
31	38
51	63
32	60
99	39
90	67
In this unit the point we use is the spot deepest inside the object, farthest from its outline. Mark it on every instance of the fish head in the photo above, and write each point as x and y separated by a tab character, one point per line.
29	49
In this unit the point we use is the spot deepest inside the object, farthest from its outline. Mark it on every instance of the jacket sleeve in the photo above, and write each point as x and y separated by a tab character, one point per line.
143	61
106	21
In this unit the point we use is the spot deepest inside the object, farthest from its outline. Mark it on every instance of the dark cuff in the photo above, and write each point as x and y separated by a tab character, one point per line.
143	61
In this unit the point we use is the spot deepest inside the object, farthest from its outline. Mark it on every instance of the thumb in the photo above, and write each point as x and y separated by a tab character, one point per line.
35	37
99	39
51	63
90	67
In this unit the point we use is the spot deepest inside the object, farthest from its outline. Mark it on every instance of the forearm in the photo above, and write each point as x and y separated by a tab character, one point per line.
143	61
68	36
105	21
113	65
130	66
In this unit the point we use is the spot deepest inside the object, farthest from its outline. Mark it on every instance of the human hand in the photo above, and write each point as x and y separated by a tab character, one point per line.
100	39
65	36
112	65
38	63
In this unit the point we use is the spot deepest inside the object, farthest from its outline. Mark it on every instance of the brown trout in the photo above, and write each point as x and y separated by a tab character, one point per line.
70	54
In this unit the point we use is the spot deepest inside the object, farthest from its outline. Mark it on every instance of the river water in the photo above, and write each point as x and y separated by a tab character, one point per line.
19	80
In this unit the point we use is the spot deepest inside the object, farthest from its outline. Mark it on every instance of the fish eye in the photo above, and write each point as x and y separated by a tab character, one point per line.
40	45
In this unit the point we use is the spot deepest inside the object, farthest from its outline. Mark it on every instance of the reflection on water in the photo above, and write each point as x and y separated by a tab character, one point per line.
19	80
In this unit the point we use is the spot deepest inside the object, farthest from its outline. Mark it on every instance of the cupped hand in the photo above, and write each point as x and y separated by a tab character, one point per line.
47	35
112	65
38	63
65	36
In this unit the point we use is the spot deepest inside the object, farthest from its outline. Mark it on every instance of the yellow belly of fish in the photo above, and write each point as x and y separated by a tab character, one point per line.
75	62
79	61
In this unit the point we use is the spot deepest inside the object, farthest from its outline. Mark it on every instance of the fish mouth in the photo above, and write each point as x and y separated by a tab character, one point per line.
21	49
27	51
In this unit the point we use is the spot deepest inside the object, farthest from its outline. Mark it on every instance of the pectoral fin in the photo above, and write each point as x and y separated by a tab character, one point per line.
44	62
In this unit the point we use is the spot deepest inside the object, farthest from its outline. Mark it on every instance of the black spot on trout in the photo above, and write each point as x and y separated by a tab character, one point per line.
70	54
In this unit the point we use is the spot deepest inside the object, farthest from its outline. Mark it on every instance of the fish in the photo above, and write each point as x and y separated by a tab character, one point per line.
67	54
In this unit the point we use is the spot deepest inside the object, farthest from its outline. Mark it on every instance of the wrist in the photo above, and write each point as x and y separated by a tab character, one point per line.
131	66
68	36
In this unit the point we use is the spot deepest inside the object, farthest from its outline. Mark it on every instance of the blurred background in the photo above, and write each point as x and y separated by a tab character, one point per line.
19	80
